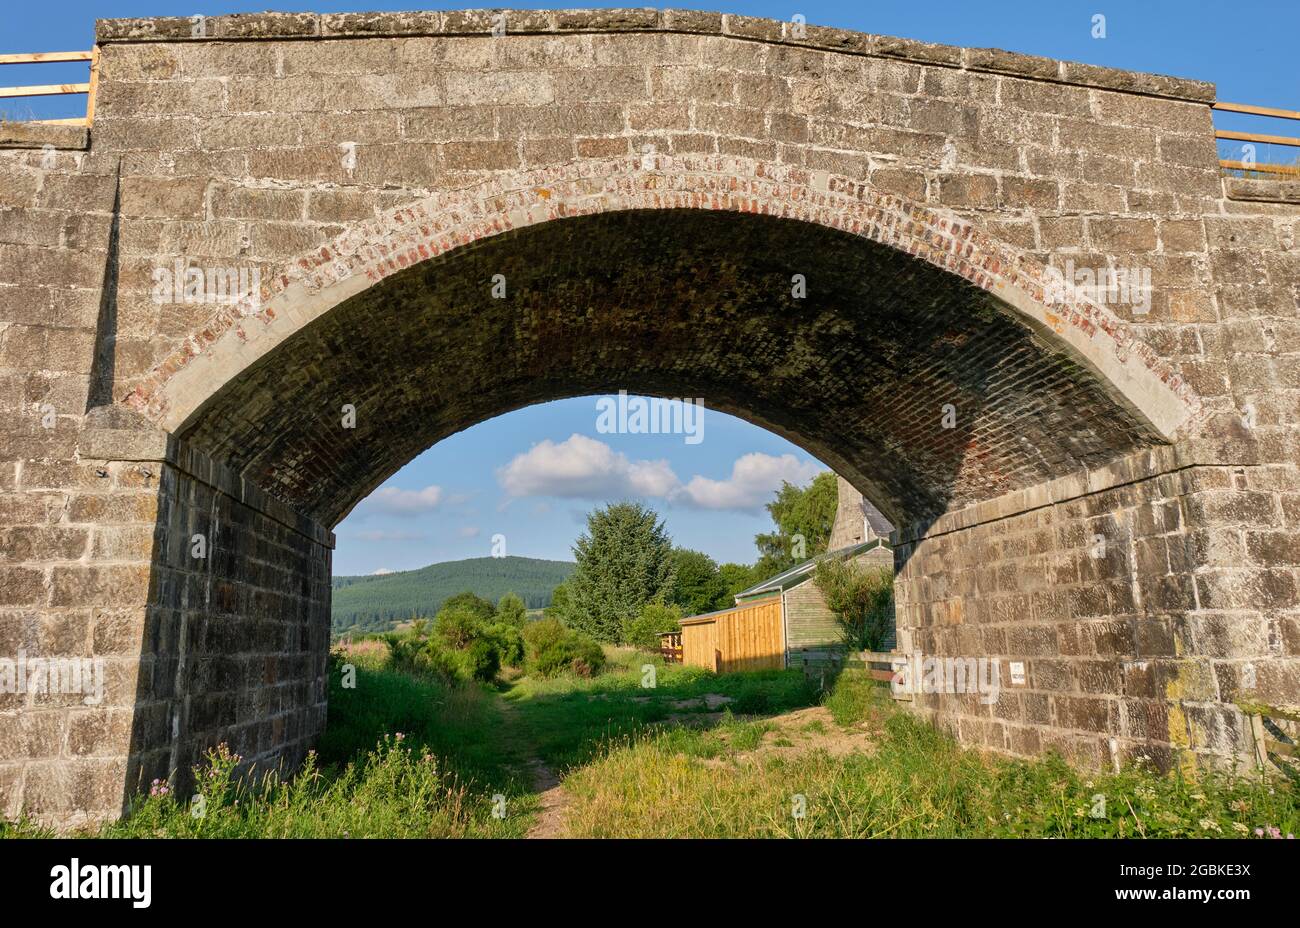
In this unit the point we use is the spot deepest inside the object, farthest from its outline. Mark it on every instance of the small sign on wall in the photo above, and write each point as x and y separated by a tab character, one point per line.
1017	673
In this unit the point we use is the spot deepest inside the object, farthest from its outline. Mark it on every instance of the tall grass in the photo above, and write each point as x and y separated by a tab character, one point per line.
916	782
402	757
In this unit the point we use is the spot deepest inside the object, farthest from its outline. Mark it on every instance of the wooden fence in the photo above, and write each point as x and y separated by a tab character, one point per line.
1276	732
54	90
747	637
1289	141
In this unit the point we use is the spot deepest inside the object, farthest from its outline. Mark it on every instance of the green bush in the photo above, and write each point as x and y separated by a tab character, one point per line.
479	661
458	627
476	604
540	635
427	656
459	646
511	610
655	618
509	643
551	649
862	599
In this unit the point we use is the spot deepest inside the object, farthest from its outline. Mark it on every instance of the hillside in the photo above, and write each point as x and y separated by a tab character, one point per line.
374	603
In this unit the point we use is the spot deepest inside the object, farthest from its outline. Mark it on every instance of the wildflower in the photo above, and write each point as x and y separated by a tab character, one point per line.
1240	828
399	736
159	788
1210	824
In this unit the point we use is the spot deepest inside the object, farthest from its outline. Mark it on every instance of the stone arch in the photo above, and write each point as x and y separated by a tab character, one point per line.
1130	373
1098	378
667	276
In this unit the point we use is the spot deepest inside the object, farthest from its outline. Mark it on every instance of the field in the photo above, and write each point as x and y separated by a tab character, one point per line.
653	750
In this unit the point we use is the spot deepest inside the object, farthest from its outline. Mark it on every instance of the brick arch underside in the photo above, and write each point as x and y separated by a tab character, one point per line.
677	302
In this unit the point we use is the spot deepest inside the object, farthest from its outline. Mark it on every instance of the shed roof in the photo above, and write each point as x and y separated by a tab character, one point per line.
800	572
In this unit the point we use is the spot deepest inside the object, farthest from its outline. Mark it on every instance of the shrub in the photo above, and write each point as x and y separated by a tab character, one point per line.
509	643
551	649
459	646
862	599
479	661
655	618
540	635
427	656
458	627
511	610
473	602
574	653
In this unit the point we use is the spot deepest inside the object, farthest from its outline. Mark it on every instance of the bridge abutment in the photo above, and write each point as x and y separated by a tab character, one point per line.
199	607
1140	604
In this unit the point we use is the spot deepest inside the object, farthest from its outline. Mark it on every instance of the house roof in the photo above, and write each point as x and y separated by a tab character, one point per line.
800	572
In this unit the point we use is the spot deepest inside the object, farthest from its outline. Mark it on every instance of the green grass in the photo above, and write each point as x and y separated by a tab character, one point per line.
917	782
572	721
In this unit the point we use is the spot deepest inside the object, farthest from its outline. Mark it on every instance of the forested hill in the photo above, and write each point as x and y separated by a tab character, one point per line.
374	603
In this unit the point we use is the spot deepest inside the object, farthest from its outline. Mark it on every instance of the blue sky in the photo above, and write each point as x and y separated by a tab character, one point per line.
532	474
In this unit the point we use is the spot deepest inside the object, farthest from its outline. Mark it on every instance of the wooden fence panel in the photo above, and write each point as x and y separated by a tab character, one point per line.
747	637
698	644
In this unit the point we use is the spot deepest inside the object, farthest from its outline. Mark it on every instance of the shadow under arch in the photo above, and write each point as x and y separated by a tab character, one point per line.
912	382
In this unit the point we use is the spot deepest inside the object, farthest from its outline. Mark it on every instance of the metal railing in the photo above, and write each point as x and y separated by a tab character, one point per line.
50	90
1254	165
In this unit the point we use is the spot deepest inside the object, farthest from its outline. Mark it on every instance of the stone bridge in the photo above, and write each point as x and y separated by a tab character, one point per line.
855	241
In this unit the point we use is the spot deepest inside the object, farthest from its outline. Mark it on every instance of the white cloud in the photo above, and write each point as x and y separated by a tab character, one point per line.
755	477
381	571
583	468
395	502
469	531
381	534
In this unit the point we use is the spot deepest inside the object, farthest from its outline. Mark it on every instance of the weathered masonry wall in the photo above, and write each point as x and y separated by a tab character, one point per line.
1143	606
75	536
206	604
237	640
324	152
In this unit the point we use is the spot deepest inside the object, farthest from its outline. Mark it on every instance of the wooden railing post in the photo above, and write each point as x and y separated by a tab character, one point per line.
53	90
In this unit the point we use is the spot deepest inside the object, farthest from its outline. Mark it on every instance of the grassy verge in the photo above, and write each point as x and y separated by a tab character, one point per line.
916	782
